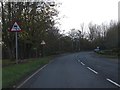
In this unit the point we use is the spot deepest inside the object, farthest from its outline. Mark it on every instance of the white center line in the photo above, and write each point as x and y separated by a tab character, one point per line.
113	82
78	60
82	63
92	70
31	76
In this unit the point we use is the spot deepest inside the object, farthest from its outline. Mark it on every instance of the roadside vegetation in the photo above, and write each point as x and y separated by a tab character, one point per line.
39	21
14	73
114	53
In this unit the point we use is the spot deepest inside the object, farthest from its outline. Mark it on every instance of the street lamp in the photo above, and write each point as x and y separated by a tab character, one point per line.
42	49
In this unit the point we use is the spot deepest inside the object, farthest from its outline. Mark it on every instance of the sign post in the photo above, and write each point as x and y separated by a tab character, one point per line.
16	47
16	29
42	51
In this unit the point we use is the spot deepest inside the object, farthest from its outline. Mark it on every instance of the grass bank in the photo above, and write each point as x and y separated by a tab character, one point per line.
113	53
12	74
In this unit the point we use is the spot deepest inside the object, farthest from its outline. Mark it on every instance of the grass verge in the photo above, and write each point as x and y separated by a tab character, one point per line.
109	53
14	73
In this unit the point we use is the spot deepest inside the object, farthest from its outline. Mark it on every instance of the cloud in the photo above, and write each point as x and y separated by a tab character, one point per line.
79	11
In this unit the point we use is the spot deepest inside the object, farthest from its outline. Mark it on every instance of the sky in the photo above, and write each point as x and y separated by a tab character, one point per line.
76	12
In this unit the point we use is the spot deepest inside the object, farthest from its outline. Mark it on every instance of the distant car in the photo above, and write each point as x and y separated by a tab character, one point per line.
96	50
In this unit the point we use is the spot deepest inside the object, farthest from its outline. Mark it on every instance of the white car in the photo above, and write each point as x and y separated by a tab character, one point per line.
97	49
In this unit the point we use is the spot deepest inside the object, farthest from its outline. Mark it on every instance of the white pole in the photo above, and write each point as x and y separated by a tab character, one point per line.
16	49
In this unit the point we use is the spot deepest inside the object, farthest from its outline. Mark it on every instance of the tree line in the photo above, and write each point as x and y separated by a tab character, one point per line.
37	21
104	36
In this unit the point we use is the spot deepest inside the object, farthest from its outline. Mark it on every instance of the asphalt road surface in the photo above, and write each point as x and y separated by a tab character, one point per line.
79	70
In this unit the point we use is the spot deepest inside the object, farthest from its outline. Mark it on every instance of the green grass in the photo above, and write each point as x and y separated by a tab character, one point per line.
14	73
7	62
109	53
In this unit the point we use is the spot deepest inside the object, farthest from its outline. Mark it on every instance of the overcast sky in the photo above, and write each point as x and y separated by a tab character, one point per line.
76	12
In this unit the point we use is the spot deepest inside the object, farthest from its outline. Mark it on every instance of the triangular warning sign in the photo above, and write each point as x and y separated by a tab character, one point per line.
15	27
43	42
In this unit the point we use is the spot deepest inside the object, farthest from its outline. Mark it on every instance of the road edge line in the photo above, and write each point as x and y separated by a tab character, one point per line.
34	74
31	76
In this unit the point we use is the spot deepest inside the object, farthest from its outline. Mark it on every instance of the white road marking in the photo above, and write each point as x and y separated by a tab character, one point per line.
78	60
82	63
31	76
113	82
92	70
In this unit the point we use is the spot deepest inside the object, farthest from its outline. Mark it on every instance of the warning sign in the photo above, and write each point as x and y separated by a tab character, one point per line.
15	28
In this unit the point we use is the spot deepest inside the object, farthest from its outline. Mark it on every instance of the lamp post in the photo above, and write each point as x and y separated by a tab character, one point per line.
42	48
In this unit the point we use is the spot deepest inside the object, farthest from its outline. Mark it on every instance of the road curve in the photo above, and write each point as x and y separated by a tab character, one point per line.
68	71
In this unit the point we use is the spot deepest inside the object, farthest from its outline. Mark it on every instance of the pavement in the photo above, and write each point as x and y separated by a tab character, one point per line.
78	70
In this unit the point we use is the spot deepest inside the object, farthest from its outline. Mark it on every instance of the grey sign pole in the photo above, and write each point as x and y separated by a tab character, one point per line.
16	28
16	42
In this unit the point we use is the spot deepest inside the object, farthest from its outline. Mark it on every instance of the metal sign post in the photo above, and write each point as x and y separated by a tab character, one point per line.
16	42
16	29
42	49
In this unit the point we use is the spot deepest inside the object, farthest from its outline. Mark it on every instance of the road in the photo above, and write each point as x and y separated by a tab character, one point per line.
79	70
